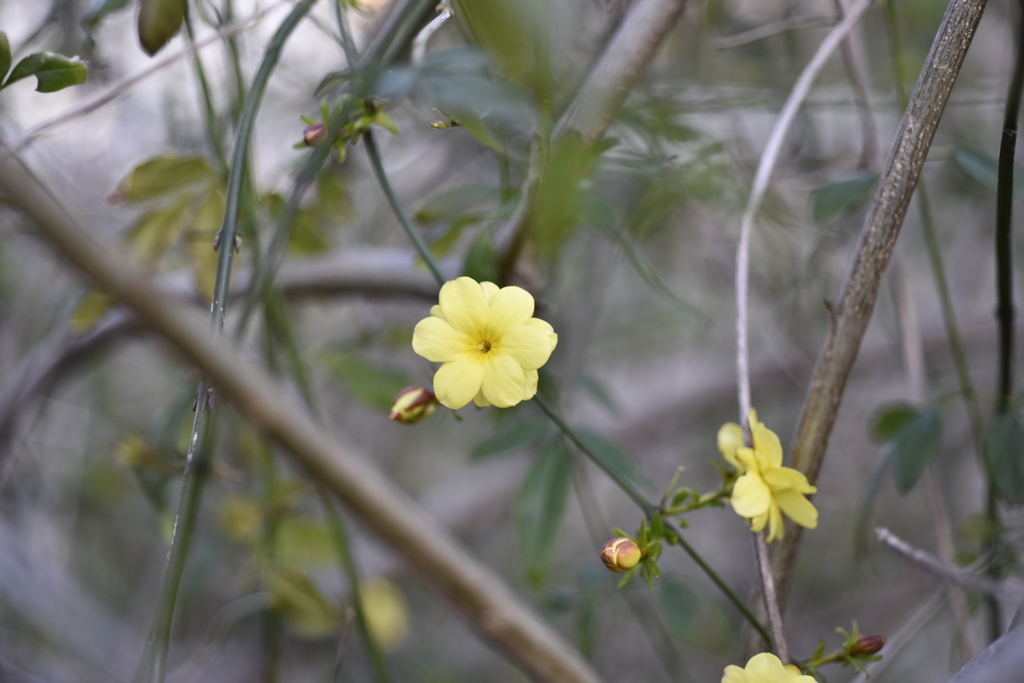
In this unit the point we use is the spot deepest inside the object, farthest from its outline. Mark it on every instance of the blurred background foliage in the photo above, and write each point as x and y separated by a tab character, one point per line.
630	253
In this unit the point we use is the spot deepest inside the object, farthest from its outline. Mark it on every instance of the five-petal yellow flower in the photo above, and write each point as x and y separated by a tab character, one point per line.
488	342
765	668
765	489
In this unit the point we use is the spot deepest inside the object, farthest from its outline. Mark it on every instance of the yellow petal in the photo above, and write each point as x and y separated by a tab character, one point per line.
766	442
480	400
456	383
537	322
511	307
532	377
527	346
783	478
464	305
750	495
436	312
765	667
504	383
730	437
797	508
490	291
748	460
734	674
435	340
758	523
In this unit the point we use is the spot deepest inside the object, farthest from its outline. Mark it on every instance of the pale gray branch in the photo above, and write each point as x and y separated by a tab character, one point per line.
924	560
773	29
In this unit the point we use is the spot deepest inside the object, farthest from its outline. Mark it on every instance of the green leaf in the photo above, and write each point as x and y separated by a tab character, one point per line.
843	196
372	383
5	55
1004	456
887	419
159	20
204	226
160	176
914	443
610	455
481	259
53	72
457	202
303	542
512	436
984	169
89	310
304	608
540	506
559	204
157	229
100	10
680	604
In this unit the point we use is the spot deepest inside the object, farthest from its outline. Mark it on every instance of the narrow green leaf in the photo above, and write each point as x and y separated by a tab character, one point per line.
160	176
599	393
53	72
540	506
983	169
610	455
304	608
481	259
511	437
302	542
5	56
888	418
843	196
159	20
914	444
372	383
157	229
1004	456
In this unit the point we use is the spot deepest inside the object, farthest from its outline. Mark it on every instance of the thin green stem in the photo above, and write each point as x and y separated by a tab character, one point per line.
209	111
396	206
948	316
647	507
152	668
236	62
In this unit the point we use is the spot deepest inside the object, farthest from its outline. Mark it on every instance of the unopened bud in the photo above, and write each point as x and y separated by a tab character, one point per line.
620	554
867	645
315	134
413	404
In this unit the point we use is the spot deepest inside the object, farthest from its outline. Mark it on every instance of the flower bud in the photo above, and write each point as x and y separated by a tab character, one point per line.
620	554
315	134
867	645
412	404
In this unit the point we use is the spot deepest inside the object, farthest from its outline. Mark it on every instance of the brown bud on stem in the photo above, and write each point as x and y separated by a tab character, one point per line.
315	134
413	404
620	554
867	645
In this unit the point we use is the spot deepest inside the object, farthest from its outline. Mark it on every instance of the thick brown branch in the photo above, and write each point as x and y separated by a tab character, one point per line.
491	607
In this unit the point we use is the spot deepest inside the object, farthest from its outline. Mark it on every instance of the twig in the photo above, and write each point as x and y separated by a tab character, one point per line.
924	560
881	227
897	641
127	84
419	43
760	186
483	598
772	29
856	69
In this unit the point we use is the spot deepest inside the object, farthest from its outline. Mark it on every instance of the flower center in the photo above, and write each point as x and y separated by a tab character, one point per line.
484	346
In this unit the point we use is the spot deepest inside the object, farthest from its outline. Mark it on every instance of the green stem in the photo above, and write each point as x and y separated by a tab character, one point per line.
648	508
396	206
236	62
209	111
152	668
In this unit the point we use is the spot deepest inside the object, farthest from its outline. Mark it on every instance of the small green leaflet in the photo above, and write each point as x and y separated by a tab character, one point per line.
1004	456
53	72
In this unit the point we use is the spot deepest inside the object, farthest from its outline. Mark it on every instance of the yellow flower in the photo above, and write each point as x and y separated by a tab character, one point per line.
766	489
621	554
765	668
489	344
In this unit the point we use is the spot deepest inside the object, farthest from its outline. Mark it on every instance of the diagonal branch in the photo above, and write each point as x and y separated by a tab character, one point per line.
491	606
878	237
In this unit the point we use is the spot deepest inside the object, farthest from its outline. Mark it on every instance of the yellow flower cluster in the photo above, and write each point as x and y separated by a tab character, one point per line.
765	490
488	342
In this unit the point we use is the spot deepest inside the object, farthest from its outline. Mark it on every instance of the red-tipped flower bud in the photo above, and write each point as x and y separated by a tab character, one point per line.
620	554
315	134
867	645
412	404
